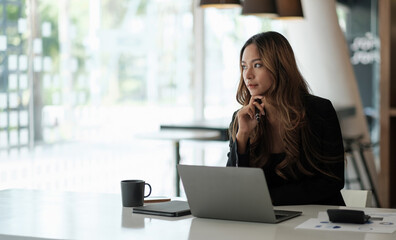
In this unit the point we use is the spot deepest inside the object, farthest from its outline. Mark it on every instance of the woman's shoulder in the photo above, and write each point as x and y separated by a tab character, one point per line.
318	105
314	100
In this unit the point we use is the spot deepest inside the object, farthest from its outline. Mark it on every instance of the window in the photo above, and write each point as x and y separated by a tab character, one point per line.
225	33
91	75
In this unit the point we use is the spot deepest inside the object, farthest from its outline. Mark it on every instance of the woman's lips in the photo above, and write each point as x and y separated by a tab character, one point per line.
252	85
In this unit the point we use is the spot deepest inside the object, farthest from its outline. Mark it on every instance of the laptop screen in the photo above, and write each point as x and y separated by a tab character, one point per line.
227	193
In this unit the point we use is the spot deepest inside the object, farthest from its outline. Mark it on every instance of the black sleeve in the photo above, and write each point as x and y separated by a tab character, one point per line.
319	188
235	159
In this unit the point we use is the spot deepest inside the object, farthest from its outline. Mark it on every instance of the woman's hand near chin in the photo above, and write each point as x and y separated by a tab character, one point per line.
247	121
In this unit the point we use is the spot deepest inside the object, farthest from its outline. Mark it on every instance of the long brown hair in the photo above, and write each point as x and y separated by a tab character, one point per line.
287	95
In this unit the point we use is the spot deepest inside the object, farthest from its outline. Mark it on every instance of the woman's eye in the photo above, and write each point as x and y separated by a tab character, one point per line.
244	67
257	65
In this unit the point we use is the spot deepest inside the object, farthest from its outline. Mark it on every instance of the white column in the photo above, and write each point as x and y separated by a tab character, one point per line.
93	69
199	64
65	70
323	57
32	10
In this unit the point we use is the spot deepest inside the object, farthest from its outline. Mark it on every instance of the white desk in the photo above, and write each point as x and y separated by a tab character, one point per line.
28	214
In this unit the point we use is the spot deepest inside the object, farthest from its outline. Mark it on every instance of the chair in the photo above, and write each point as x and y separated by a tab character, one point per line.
354	150
357	198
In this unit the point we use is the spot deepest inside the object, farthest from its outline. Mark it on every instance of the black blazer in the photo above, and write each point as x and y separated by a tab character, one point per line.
315	189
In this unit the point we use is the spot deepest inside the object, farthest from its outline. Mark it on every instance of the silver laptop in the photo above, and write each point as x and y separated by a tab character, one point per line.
230	193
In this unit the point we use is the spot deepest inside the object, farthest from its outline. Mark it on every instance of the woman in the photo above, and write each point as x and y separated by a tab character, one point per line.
293	136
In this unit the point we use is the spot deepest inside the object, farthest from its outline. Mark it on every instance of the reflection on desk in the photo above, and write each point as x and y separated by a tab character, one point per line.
67	215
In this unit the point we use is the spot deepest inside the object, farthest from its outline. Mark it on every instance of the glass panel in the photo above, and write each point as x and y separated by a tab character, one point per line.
23	82
56	98
47	64
23	118
23	63
38	64
73	65
82	82
46	29
12	62
46	81
37	46
13	119
22	25
3	119
56	82
12	81
13	100
82	98
3	140
13	137
24	136
3	100
3	43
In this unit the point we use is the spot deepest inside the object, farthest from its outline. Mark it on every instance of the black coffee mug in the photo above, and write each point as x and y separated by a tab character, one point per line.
132	192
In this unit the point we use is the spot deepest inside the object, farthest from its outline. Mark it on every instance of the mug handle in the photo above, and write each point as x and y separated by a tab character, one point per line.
150	190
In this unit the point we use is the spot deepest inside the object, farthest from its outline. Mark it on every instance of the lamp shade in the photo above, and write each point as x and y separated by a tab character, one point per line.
289	8
220	3
259	7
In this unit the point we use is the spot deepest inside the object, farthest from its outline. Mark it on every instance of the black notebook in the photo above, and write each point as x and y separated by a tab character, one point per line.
169	209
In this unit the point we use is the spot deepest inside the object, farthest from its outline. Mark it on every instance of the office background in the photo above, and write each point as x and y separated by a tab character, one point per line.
81	80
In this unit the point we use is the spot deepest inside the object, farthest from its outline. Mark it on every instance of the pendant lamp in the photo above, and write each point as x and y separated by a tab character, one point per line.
289	9
220	3
265	8
282	9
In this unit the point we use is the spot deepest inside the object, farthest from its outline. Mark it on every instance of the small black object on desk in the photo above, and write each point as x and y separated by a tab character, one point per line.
347	216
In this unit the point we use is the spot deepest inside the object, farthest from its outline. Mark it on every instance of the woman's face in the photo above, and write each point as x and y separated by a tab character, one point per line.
257	78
